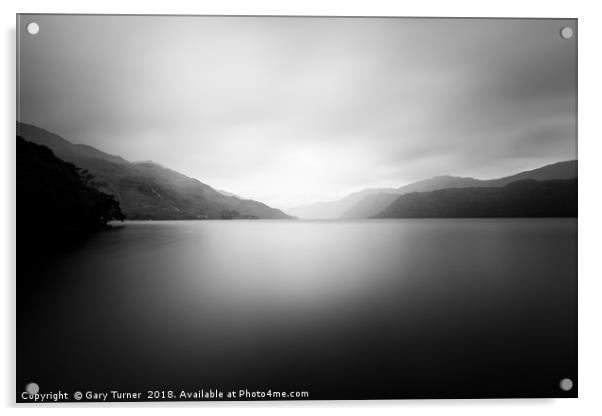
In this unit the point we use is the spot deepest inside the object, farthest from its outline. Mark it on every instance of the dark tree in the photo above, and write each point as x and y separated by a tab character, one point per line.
54	198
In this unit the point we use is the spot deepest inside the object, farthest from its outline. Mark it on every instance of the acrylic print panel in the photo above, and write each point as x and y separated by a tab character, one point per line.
295	208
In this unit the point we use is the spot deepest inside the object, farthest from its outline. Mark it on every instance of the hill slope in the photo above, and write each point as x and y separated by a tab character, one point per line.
54	202
148	190
369	205
524	198
375	205
334	209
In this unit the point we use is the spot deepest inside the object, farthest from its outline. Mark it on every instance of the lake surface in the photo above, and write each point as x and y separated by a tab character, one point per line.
348	309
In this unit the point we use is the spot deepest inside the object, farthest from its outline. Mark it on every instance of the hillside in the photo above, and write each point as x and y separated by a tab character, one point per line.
368	205
524	198
375	205
147	190
334	209
54	201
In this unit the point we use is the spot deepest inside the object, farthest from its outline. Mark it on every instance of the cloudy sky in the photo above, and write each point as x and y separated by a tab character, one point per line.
295	110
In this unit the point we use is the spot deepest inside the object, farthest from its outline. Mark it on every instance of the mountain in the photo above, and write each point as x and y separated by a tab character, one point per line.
523	198
371	207
342	208
226	193
334	209
560	170
147	190
368	205
55	203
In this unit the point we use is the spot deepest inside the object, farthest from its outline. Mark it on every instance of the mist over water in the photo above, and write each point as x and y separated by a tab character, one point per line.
342	309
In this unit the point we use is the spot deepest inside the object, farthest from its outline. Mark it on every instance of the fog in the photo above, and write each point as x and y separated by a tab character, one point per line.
293	110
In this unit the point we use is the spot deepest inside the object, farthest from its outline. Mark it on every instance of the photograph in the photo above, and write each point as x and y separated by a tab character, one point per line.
294	208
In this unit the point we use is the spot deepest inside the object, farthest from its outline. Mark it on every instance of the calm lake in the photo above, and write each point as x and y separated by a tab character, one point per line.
341	309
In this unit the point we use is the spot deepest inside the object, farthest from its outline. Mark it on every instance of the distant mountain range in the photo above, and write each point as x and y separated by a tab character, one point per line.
371	202
522	198
147	190
334	209
370	205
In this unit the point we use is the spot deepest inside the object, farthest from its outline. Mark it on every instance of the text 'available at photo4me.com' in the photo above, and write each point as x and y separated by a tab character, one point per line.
163	395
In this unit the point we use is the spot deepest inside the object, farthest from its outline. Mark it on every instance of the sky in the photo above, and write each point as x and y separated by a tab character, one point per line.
290	111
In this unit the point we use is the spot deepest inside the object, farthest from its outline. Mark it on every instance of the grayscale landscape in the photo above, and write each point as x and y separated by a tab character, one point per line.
357	208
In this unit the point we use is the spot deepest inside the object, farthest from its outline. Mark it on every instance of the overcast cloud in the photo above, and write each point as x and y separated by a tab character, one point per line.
294	110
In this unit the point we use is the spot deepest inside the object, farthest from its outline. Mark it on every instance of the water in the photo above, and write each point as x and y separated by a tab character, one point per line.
349	309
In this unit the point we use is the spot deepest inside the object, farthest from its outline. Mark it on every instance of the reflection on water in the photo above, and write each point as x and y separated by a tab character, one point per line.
377	308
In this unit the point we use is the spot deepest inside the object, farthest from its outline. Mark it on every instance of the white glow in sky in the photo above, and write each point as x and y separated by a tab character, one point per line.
289	111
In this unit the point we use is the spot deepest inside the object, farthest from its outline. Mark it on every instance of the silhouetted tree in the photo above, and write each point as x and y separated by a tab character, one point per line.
55	199
85	176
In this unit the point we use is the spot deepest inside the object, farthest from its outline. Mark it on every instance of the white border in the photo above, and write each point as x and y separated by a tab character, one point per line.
590	158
